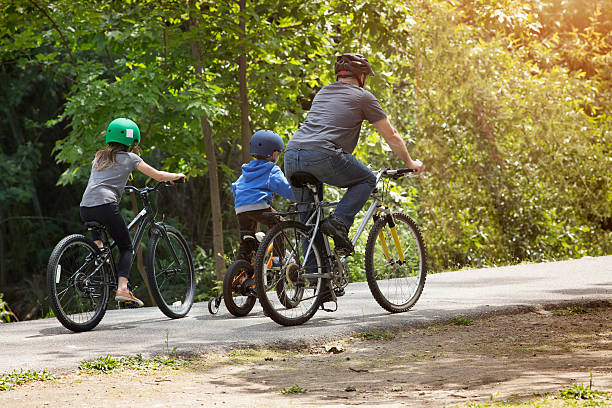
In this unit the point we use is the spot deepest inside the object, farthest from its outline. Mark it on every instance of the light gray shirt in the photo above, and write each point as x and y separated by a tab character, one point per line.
106	186
335	117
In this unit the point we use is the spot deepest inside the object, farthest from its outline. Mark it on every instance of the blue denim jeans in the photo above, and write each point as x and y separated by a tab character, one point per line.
337	169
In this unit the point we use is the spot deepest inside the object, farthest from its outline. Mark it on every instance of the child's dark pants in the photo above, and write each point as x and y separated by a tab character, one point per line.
247	222
109	215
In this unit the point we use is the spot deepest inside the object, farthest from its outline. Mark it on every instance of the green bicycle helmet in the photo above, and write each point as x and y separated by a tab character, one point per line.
124	131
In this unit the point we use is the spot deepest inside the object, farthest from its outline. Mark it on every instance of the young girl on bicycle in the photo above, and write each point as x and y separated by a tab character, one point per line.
110	170
255	188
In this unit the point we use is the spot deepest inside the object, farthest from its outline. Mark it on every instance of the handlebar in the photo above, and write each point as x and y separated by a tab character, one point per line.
146	190
396	173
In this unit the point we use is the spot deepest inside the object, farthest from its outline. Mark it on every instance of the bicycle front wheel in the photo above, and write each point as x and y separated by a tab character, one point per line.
288	286
170	272
78	285
395	262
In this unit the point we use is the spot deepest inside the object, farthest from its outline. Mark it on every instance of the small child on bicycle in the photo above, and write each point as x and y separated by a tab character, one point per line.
110	170
253	191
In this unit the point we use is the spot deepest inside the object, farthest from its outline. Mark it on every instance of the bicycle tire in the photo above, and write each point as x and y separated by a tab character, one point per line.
236	275
172	285
304	293
78	302
396	286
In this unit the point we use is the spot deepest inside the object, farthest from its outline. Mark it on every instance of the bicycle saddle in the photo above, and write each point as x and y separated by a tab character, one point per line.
301	179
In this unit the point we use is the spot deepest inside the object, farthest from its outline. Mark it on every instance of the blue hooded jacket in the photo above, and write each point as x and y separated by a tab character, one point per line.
255	188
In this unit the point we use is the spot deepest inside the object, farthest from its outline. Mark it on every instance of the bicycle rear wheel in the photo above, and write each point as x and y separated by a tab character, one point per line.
78	285
170	272
289	290
396	275
238	288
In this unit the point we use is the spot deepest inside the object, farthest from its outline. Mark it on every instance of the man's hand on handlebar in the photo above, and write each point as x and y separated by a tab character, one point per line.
417	166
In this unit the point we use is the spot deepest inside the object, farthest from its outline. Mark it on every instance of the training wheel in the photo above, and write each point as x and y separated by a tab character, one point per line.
213	306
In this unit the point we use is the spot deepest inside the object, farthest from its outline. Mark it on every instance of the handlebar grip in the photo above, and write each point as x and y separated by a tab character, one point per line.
397	173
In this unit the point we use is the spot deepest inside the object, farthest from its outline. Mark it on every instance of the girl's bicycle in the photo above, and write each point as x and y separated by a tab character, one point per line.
81	277
313	274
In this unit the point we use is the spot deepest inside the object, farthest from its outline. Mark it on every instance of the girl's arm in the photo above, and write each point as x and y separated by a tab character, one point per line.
157	174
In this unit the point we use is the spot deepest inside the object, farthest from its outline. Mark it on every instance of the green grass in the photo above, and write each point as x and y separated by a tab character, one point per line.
375	335
461	321
109	364
296	389
572	310
576	395
11	380
580	392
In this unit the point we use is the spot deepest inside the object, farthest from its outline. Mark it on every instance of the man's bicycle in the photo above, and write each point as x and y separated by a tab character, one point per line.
81	277
313	274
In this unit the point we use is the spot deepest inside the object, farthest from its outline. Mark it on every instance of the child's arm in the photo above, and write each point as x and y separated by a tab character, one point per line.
157	174
279	184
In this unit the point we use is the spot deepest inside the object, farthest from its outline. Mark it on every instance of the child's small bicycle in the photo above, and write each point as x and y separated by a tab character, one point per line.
239	293
238	287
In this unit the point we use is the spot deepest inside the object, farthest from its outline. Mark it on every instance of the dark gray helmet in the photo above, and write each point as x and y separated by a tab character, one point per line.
348	65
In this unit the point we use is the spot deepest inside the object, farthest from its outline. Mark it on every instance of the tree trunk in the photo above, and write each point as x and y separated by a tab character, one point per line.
210	156
245	125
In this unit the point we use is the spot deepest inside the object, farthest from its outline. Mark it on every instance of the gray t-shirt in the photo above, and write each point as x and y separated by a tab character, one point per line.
106	186
334	121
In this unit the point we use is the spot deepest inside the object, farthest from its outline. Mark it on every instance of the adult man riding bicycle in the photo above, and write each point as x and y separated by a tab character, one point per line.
324	144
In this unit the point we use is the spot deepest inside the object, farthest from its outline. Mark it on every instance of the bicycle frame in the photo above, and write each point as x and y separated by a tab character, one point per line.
143	220
375	208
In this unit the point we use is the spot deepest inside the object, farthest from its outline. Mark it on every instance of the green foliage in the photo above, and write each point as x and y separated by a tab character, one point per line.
5	314
514	173
206	284
15	378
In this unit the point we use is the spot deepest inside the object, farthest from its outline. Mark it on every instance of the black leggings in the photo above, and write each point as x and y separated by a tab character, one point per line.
109	215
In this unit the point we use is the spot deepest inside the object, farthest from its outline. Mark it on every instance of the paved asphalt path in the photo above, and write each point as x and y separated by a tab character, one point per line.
47	344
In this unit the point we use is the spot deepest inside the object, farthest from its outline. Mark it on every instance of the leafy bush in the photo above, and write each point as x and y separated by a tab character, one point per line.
5	314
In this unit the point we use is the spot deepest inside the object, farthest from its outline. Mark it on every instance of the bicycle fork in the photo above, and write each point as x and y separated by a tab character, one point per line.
396	240
161	229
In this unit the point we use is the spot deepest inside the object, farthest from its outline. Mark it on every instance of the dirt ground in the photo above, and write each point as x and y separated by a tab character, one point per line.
518	358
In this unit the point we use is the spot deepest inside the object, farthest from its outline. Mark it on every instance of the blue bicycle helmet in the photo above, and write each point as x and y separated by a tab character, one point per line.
265	142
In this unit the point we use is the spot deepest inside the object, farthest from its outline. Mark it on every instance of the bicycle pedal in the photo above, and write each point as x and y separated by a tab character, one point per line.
327	309
131	305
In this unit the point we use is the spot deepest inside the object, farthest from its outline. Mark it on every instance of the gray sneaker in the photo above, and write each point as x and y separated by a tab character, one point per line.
339	232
